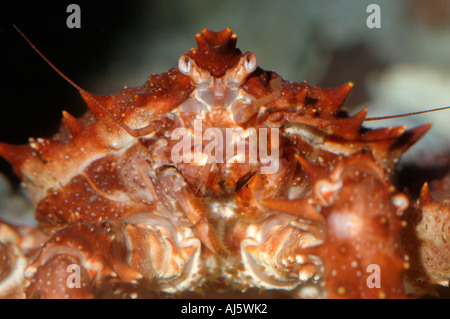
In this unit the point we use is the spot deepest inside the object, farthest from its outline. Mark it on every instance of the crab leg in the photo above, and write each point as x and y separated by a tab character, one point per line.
105	258
269	252
17	245
12	266
175	186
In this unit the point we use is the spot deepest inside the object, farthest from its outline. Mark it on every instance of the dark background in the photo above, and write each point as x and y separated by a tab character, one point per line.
33	95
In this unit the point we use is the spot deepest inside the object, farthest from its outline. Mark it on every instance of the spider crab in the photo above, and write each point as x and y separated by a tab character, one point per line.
280	191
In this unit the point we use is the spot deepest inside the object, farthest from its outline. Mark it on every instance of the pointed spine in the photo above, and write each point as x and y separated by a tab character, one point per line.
332	99
17	155
407	139
73	124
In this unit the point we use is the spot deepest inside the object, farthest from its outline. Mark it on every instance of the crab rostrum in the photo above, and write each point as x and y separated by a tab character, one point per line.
214	177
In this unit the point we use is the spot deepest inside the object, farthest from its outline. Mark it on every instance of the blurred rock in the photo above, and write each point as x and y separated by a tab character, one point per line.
14	207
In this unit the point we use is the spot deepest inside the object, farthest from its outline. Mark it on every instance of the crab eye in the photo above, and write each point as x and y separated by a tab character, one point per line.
184	65
250	62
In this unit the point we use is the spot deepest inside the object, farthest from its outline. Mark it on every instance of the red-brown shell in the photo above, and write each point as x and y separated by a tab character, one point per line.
94	168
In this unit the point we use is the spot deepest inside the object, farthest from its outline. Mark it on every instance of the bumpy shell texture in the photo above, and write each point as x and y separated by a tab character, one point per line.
218	177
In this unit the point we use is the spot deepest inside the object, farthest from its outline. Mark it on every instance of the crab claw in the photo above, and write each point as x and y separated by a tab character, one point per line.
100	259
425	239
12	267
170	178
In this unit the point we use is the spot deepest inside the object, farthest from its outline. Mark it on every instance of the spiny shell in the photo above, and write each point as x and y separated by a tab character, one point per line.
117	204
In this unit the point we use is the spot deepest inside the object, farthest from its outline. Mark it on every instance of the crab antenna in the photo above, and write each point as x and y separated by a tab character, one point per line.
84	92
404	115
